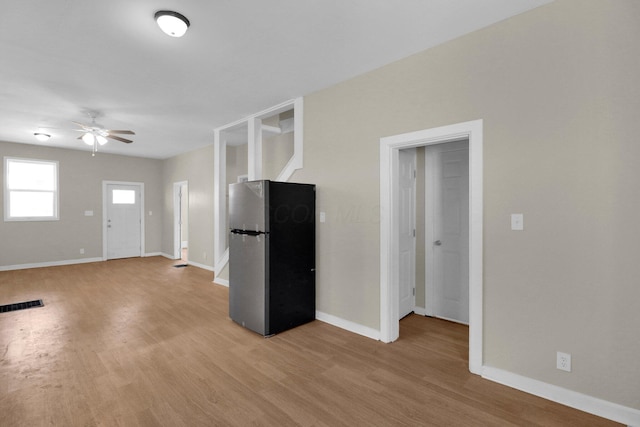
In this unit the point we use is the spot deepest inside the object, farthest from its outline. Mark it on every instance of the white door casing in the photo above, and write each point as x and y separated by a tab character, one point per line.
447	231
407	169
178	190
389	224
123	220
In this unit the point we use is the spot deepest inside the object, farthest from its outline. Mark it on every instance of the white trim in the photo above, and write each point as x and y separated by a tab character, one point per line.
166	255
254	126
219	266
420	311
221	282
177	207
254	150
49	264
573	399
104	215
219	197
7	191
202	266
150	254
356	328
389	148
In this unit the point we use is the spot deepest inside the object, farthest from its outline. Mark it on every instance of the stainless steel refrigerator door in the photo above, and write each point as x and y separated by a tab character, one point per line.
247	281
247	206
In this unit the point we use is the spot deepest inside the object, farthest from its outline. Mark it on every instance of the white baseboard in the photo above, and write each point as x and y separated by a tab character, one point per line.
197	264
348	325
573	399
149	254
168	256
222	282
419	310
49	264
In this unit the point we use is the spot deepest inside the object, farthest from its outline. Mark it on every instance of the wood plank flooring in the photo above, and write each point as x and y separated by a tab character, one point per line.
137	342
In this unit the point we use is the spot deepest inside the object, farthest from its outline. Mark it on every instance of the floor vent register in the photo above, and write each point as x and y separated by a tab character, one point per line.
21	306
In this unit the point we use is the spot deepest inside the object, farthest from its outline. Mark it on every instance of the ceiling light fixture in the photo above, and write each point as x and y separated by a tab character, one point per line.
91	138
172	23
42	137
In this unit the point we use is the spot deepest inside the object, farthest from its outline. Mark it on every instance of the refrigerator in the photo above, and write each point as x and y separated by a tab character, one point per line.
272	255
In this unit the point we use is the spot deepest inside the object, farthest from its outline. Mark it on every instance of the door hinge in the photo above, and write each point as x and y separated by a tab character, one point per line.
414	232
414	292
415	174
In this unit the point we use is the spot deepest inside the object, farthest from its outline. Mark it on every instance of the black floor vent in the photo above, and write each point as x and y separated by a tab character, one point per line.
21	306
180	265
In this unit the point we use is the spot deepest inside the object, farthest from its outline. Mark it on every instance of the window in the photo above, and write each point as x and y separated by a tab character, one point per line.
124	197
30	190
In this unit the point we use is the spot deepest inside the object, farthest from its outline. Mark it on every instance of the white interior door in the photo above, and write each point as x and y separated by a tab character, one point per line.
181	220
124	228
447	231
407	231
184	222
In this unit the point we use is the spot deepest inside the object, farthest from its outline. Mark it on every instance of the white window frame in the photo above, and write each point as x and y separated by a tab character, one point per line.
56	190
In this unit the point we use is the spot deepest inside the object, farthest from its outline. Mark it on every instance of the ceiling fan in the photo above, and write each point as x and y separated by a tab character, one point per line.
95	134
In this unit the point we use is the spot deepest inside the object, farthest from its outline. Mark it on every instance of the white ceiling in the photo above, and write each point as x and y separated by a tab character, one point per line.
61	58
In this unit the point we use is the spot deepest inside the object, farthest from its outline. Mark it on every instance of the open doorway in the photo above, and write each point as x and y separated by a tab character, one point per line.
390	227
181	221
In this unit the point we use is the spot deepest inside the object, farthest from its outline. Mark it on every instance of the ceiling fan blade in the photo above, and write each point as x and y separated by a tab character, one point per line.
117	138
127	132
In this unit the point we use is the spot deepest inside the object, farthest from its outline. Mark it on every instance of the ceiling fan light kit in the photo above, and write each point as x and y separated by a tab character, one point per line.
91	138
172	23
95	134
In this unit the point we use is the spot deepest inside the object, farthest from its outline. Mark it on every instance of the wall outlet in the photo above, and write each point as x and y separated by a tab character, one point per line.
81	251
563	361
204	255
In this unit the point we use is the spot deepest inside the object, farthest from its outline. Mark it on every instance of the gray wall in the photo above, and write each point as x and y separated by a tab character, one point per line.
80	181
557	90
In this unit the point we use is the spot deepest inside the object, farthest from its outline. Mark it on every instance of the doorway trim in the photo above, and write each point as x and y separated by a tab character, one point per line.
177	219
140	185
389	228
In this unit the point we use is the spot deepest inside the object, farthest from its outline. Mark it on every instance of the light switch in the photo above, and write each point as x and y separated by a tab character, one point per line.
323	217
517	221
88	213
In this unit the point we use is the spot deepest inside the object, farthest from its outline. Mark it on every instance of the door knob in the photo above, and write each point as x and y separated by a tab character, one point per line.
437	243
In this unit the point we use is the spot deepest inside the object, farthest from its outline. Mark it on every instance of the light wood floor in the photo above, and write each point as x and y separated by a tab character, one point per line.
139	343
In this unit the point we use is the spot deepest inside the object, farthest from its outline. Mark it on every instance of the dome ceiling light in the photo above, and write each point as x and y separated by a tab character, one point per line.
172	23
42	137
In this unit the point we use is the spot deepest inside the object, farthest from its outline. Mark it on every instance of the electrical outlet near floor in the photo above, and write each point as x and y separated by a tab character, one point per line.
563	361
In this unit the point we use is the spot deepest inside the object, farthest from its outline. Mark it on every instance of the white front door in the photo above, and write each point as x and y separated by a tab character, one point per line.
447	231
407	207
124	228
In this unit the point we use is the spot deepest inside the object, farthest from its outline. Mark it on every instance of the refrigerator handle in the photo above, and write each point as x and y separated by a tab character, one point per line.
247	232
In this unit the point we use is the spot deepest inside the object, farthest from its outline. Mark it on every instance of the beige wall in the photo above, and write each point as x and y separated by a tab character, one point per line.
196	167
80	183
557	90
